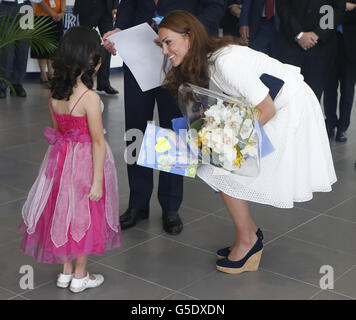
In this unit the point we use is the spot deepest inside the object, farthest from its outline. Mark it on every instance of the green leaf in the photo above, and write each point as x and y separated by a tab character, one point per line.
40	38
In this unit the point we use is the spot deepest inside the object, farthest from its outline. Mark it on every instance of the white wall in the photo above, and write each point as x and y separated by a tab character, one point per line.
32	65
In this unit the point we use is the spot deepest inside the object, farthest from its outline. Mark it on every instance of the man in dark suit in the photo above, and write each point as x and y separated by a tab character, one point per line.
307	39
13	57
101	14
343	72
139	108
259	23
230	22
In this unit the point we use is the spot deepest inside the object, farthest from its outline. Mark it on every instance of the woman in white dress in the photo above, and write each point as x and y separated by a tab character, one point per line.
301	163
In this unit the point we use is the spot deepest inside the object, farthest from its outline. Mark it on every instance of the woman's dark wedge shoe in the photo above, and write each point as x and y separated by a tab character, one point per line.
224	252
248	263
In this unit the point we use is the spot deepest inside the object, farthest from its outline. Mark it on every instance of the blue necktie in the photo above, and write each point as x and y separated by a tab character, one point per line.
340	29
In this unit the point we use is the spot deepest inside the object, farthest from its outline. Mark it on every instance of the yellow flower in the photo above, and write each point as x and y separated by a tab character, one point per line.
239	157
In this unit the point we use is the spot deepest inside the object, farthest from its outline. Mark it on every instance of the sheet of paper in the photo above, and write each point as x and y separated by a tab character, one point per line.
144	58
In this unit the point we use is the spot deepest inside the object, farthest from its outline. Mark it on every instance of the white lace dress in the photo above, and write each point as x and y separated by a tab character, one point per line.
302	162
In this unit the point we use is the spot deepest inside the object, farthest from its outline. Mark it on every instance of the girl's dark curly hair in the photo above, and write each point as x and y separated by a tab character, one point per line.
79	51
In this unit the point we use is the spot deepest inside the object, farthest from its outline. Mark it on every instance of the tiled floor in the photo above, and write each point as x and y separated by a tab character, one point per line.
153	265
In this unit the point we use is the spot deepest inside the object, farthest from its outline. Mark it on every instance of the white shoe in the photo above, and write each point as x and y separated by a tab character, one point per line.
79	285
64	280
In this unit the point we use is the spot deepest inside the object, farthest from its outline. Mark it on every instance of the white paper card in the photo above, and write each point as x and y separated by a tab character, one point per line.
141	54
52	3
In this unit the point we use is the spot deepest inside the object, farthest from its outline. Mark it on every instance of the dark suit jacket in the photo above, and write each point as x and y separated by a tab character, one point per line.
251	15
84	7
349	27
302	16
230	23
134	12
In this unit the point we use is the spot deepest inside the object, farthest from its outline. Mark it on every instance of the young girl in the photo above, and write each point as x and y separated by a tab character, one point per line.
72	208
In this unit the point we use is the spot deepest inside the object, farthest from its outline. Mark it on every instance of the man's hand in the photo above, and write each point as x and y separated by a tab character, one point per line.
113	13
108	45
245	32
235	10
157	42
308	40
350	6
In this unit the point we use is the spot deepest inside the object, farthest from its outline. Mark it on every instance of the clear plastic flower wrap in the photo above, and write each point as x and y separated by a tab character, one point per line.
223	130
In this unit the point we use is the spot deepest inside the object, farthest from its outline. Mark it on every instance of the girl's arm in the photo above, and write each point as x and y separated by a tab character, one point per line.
95	123
53	119
266	109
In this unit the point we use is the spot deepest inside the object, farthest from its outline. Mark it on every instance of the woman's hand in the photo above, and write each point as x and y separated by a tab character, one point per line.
58	17
96	191
266	110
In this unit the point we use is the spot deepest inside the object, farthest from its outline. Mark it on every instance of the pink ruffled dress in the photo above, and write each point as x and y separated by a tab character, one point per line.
60	222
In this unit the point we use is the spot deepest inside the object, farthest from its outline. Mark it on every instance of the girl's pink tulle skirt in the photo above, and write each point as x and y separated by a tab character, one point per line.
60	223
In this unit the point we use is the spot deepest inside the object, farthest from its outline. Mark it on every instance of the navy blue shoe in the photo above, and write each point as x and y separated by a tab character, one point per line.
248	263
224	252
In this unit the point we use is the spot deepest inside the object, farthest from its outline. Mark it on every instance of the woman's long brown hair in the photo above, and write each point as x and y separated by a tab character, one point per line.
195	66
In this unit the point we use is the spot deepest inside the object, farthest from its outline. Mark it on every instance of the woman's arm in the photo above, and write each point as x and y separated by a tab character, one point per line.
95	123
44	6
266	110
236	74
63	6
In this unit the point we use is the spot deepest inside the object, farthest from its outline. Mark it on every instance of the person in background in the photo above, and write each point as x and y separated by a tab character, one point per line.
139	107
303	41
343	72
101	14
259	24
13	58
54	11
230	21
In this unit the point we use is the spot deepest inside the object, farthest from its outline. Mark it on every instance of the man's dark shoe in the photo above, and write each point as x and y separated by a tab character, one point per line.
341	136
108	89
172	222
2	93
19	91
331	132
129	218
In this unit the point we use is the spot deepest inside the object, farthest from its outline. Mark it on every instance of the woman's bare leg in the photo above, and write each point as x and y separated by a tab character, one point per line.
245	227
42	63
50	68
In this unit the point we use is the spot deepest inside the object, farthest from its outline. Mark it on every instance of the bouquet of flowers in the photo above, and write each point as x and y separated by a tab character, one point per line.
223	130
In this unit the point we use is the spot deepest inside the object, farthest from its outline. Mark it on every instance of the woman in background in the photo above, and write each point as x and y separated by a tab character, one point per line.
53	10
